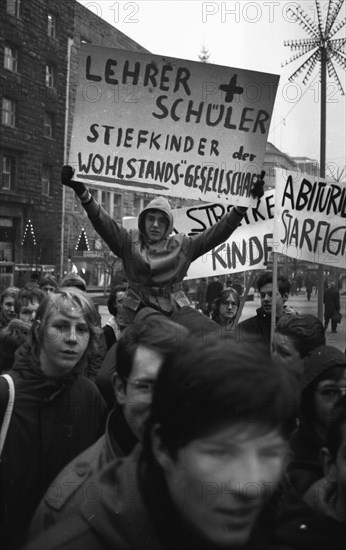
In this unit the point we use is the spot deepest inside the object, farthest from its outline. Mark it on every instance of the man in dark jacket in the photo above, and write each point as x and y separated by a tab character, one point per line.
212	454
331	300
312	511
258	328
139	355
155	262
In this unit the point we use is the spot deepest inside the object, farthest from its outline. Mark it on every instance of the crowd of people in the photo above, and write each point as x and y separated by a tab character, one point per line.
169	427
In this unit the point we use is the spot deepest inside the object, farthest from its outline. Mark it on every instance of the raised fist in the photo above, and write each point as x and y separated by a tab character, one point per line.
67	173
257	190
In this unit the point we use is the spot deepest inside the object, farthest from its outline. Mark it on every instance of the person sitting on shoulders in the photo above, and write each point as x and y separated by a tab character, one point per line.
155	262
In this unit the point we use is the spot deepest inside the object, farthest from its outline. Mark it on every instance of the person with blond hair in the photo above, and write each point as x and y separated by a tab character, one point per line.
57	411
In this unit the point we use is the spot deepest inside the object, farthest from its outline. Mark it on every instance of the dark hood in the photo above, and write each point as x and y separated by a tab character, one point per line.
306	442
36	386
159	203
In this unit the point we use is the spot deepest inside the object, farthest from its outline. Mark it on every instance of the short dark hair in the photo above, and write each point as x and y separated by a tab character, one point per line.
267	278
48	280
158	333
74	280
201	389
334	434
305	331
113	296
26	295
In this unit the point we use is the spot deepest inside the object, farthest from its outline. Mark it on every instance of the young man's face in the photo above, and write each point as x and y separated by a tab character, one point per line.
228	308
286	354
48	288
155	225
27	312
136	395
7	308
266	296
65	340
218	483
326	395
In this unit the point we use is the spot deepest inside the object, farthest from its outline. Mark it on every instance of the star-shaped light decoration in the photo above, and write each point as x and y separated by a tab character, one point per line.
320	45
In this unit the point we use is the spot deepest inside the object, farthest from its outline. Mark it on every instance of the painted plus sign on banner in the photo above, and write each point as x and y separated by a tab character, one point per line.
170	126
231	89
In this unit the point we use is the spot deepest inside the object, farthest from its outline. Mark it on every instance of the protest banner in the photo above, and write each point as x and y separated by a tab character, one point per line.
248	248
310	219
172	127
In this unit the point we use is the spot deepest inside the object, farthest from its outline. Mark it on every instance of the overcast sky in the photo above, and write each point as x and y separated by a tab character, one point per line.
249	35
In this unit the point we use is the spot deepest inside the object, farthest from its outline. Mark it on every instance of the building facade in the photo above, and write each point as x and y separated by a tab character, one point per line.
43	227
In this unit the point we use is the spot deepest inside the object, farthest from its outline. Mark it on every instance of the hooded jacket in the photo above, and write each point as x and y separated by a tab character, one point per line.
155	271
306	515
53	420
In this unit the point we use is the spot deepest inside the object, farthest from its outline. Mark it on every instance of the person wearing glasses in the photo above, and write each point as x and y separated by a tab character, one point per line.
212	455
140	352
258	327
323	383
225	308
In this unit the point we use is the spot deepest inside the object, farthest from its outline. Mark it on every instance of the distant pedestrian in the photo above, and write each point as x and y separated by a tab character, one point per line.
309	286
331	302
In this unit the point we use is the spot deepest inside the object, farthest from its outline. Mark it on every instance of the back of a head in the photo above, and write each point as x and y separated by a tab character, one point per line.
201	389
306	331
72	279
157	332
319	361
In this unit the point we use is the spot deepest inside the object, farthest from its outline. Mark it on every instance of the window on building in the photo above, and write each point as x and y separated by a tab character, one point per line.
106	200
8	114
46	180
49	75
51	25
48	128
136	205
7	240
116	206
14	7
9	164
11	58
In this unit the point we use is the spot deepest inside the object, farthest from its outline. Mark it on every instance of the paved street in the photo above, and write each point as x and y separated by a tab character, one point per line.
300	303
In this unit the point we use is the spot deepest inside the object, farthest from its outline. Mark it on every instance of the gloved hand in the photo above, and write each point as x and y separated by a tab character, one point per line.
66	179
257	190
